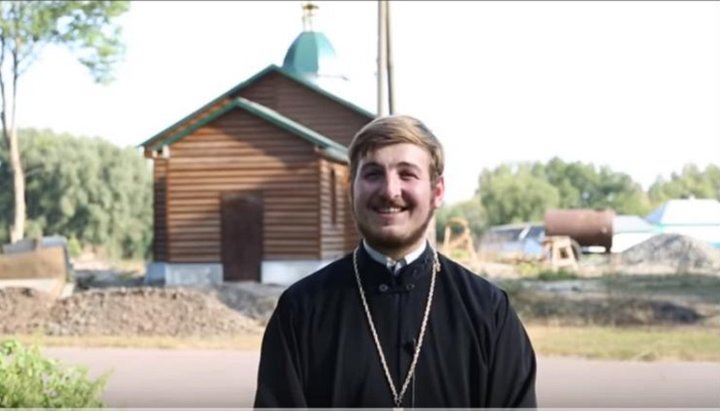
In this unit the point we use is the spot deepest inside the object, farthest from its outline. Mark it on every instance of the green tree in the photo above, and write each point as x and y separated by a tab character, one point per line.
690	182
575	181
525	191
619	192
85	189
582	185
515	194
87	28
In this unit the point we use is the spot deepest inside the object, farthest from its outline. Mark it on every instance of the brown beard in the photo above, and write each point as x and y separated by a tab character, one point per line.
382	243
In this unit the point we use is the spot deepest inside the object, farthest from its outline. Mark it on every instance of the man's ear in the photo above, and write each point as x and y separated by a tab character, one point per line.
438	192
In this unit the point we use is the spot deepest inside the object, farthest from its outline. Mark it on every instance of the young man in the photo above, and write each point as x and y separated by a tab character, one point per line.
394	323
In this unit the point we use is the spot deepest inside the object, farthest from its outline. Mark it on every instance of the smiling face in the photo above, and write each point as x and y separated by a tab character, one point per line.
394	197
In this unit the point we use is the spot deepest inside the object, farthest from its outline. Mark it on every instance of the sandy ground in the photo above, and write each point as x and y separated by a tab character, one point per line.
152	378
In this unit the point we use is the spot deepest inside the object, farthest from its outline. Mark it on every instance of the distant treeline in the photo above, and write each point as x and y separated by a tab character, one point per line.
523	192
86	189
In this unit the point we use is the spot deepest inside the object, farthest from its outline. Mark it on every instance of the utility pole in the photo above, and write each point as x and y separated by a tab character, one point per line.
382	57
388	33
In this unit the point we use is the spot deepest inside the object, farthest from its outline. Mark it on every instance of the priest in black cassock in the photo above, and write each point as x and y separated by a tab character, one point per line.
395	323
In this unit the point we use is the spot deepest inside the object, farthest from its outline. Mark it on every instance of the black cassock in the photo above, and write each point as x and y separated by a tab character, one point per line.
318	350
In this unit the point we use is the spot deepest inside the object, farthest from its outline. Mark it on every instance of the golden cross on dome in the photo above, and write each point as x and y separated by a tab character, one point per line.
309	9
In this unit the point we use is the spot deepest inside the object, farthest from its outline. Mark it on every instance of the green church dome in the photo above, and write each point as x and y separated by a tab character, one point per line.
311	54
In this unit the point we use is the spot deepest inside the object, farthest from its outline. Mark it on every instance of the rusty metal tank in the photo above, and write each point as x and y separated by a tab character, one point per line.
588	227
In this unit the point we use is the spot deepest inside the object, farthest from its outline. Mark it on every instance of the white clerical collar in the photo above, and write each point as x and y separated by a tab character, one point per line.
393	265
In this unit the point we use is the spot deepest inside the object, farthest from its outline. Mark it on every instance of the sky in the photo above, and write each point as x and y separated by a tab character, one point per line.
630	85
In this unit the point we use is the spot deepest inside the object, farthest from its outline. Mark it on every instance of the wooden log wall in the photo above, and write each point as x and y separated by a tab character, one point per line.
333	208
352	236
159	209
235	153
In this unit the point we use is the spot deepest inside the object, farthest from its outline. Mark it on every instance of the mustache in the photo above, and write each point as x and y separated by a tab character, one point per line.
388	204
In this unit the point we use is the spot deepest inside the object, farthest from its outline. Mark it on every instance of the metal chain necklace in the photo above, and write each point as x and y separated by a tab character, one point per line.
397	397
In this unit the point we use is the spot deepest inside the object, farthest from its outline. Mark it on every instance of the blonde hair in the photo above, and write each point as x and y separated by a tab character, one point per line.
396	129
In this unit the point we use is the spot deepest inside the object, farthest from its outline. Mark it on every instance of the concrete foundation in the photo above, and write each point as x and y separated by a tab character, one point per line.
287	272
185	274
180	274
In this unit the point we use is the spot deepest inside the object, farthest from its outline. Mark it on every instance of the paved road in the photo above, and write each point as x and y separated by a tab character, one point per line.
226	379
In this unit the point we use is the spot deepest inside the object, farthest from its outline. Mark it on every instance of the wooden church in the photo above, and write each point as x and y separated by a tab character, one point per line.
254	184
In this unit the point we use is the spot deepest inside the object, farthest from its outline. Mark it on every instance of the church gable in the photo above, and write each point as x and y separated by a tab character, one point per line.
306	104
289	95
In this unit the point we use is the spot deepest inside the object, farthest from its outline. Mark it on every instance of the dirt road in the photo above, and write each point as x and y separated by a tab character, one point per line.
145	378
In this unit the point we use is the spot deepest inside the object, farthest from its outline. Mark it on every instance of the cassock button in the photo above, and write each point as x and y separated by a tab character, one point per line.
383	288
409	287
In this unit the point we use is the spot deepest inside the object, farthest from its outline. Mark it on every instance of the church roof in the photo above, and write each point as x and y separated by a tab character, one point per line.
327	145
160	139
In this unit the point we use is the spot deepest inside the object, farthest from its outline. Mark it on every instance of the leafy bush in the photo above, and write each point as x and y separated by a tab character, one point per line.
74	247
29	380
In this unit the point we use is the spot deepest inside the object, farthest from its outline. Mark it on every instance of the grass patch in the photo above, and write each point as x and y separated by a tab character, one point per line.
607	343
240	342
556	275
638	344
702	287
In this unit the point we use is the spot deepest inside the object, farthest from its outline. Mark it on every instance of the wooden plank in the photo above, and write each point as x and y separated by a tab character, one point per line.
291	253
292	237
181	207
205	258
308	215
241	186
197	216
291	196
284	155
280	230
189	225
245	179
195	246
192	229
244	171
201	236
242	148
281	161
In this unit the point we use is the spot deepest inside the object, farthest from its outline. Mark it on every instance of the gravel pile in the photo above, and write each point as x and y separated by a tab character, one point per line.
673	253
140	311
254	300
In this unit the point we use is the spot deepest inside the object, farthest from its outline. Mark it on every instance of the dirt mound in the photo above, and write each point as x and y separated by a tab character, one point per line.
548	309
675	252
146	311
140	311
23	310
256	301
